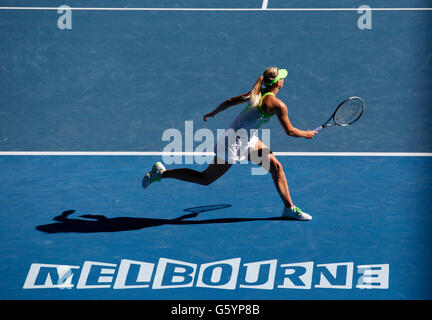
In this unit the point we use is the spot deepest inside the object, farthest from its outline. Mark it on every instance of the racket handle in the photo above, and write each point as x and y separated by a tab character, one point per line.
319	128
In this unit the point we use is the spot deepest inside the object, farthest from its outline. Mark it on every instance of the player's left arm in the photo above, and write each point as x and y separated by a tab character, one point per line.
227	104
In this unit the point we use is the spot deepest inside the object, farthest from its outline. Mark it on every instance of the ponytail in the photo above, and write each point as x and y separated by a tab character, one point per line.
255	96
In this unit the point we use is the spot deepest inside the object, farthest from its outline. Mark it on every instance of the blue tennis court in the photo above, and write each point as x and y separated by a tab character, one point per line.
83	112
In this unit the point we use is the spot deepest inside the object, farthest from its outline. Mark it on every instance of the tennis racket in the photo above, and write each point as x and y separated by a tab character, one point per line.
346	113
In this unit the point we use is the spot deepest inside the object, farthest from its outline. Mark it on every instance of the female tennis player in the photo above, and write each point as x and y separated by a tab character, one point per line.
231	148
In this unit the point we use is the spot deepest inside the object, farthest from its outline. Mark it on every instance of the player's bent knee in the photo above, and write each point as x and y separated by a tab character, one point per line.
275	165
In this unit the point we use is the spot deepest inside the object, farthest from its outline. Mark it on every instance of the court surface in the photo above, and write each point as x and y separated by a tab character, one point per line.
119	78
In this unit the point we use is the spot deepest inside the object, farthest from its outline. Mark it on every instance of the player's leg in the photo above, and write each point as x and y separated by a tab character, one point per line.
263	156
214	171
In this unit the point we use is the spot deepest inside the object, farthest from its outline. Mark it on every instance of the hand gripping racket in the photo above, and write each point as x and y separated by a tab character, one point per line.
346	113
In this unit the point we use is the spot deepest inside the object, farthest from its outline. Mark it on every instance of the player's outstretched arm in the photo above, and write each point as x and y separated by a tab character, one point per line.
227	104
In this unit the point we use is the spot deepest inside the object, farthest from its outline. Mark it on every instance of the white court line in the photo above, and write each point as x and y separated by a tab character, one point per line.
161	153
354	154
215	9
264	4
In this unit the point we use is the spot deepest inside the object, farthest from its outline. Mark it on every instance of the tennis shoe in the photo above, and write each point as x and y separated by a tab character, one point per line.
295	213
155	174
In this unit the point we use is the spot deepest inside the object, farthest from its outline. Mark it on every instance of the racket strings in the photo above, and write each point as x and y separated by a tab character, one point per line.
348	112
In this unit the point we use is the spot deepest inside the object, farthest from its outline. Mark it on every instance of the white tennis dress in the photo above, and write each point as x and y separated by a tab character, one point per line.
242	135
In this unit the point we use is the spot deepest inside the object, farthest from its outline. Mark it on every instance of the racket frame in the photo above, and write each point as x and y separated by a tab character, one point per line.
328	124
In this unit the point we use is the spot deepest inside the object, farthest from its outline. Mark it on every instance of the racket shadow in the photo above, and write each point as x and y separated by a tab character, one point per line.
94	223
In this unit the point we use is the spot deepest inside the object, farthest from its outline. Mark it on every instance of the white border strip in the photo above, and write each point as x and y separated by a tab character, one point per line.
159	153
216	9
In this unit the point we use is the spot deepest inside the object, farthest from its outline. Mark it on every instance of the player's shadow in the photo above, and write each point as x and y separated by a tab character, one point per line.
91	223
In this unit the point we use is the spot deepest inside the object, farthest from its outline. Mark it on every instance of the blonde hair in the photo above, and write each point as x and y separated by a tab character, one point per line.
268	75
